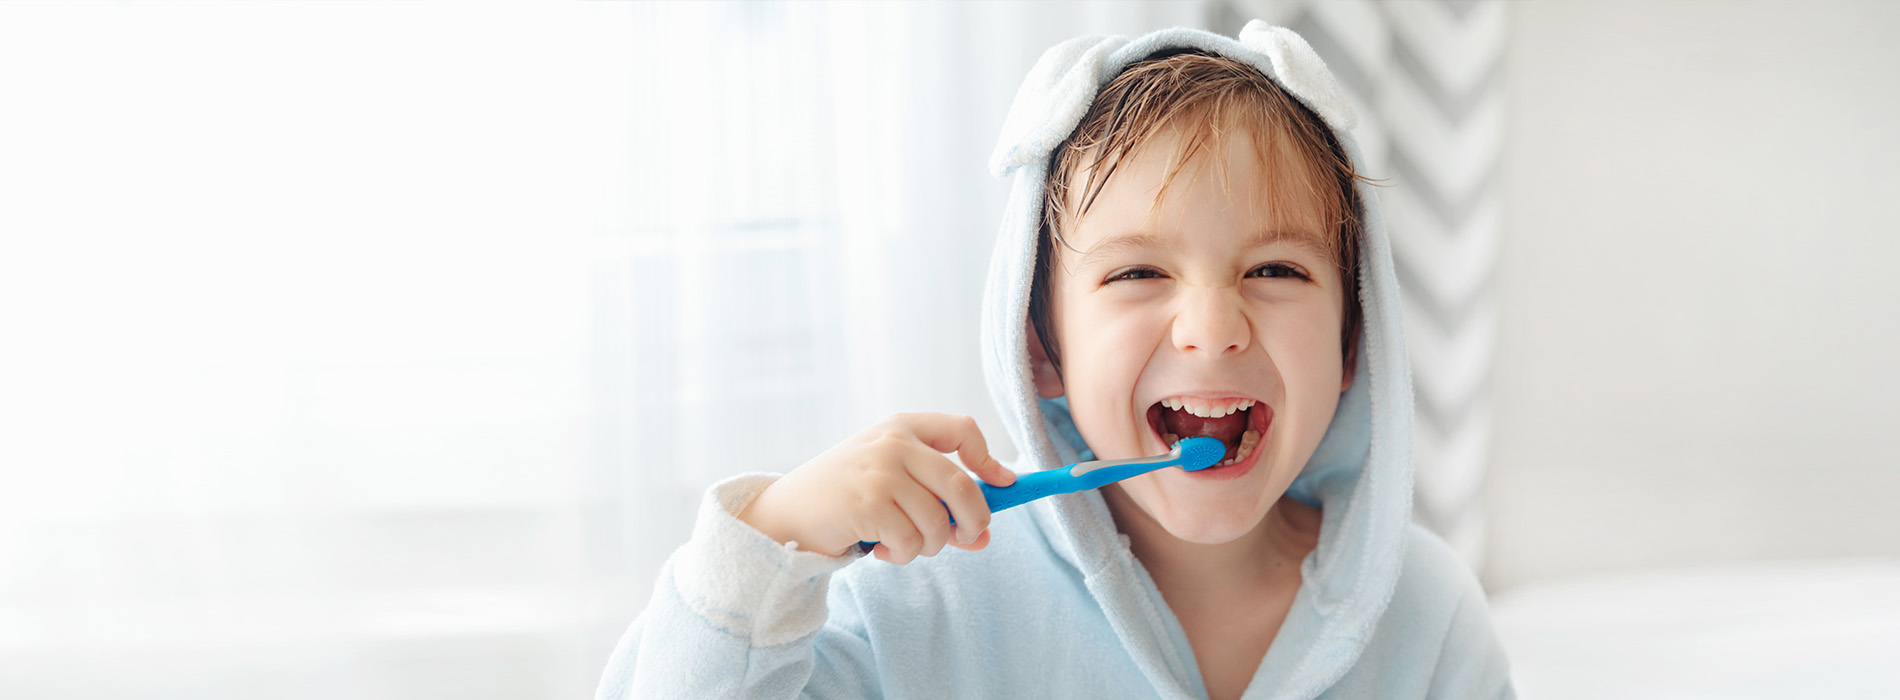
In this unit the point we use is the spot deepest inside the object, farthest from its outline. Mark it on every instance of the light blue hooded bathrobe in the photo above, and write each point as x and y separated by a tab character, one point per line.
1057	606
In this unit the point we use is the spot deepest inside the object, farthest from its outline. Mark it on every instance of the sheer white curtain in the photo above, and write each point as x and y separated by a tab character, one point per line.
294	391
383	350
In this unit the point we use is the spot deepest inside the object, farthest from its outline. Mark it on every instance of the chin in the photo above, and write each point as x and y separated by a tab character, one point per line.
1210	528
1195	515
1209	533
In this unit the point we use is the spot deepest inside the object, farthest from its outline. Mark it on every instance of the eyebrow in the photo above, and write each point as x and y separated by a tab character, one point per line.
1150	241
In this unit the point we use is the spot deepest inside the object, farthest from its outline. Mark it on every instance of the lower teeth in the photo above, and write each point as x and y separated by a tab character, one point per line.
1248	440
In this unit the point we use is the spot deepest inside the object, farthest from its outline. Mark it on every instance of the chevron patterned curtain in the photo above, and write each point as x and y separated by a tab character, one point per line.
1426	77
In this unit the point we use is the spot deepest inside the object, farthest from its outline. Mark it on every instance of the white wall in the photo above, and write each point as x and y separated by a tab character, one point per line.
1701	316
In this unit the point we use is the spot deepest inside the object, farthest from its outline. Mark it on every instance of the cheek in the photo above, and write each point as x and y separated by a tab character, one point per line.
1105	348
1111	328
1306	352
1305	345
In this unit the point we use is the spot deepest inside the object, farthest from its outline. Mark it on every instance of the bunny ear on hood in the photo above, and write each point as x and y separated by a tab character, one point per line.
1058	90
1361	473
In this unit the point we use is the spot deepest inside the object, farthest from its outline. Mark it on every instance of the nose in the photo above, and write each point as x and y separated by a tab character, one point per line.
1212	322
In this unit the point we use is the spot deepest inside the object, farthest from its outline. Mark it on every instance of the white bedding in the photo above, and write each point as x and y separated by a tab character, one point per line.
1811	629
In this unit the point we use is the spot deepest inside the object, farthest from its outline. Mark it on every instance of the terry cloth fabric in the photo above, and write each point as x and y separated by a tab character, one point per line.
1058	606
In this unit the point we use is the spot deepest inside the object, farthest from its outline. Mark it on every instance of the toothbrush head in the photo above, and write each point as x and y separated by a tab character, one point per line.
1197	453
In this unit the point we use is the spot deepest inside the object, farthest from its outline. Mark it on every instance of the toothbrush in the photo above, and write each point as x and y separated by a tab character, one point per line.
1192	454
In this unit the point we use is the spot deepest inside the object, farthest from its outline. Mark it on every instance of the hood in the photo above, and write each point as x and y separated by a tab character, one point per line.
1361	473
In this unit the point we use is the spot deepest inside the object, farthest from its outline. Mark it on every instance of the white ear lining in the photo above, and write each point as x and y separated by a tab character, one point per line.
1300	69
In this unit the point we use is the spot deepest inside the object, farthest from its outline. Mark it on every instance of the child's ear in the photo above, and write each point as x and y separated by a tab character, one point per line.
1048	380
1352	360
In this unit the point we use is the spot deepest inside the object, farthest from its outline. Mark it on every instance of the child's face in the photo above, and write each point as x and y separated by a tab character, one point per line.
1201	299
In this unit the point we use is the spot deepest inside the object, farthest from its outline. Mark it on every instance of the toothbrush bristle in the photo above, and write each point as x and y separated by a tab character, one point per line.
1199	453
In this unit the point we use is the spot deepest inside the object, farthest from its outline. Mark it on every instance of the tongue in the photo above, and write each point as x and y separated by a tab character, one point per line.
1226	428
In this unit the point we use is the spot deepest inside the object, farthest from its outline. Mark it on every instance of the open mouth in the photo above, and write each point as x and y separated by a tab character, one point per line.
1237	422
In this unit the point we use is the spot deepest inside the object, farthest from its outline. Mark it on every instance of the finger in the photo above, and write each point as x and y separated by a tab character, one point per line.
927	515
955	488
949	433
982	540
897	539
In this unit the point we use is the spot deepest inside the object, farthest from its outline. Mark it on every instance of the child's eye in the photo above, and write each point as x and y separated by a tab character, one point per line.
1277	270
1134	273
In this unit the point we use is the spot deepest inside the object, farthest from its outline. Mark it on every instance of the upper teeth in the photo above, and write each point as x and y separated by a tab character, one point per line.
1206	408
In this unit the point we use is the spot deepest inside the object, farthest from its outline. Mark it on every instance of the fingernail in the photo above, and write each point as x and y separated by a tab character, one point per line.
966	535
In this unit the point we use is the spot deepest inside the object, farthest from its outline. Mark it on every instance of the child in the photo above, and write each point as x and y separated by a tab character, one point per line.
1187	251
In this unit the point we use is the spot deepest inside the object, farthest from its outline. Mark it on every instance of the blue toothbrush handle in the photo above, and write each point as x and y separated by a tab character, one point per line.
1028	487
1192	454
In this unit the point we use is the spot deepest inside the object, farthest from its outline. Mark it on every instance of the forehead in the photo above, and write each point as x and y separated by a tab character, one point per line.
1250	187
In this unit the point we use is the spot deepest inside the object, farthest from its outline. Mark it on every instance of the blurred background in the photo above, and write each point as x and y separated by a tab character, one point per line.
383	350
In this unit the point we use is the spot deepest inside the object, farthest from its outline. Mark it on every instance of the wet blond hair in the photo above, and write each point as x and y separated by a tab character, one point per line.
1208	98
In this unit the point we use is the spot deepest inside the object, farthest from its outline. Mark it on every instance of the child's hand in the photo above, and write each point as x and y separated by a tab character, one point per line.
884	485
